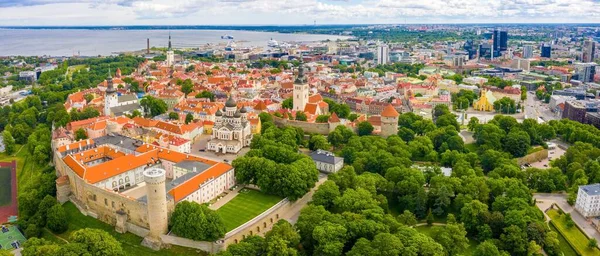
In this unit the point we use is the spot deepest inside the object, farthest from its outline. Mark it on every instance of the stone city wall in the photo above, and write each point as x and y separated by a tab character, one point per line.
320	128
210	247
533	157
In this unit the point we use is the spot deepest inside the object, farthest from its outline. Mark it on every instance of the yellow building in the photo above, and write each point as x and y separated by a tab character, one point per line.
485	102
255	125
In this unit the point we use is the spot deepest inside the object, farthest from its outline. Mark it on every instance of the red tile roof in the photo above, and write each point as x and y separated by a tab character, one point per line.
389	111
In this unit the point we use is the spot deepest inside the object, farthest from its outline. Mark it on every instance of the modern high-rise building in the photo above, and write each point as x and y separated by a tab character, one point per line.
527	51
546	50
382	54
588	51
500	39
485	51
470	48
585	72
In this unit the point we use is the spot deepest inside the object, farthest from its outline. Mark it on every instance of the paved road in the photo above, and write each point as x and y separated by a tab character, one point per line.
545	200
535	109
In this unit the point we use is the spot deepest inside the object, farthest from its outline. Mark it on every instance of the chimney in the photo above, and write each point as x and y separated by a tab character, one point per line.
194	168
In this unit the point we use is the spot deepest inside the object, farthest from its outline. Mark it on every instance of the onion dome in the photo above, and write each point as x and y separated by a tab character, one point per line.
243	110
230	103
237	114
219	113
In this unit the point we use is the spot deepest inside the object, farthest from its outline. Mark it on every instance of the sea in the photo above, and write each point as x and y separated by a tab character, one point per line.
94	42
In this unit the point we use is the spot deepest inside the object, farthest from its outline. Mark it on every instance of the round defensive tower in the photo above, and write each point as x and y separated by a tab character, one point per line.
157	202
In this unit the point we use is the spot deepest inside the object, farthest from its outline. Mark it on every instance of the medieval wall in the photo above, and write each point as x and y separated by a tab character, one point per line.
319	128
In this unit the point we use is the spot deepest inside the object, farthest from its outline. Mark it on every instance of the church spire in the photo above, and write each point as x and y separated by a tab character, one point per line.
301	79
109	83
169	41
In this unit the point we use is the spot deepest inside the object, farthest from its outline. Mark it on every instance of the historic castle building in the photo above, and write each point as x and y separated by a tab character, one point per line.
231	131
132	185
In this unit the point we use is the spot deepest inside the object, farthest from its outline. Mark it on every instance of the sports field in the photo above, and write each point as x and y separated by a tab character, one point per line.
5	186
245	206
10	237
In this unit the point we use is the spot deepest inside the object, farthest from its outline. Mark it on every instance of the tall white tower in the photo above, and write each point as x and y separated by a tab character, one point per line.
301	89
382	54
157	206
170	54
111	98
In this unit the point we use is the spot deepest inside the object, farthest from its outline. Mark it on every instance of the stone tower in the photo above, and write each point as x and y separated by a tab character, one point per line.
389	121
300	90
156	195
111	98
170	54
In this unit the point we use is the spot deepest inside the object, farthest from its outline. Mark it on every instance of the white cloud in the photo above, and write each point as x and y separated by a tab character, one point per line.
13	12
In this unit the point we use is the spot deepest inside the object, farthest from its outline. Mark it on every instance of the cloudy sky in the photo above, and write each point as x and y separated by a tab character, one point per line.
255	12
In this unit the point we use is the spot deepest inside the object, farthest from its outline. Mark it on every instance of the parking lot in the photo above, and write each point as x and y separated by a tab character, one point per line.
554	153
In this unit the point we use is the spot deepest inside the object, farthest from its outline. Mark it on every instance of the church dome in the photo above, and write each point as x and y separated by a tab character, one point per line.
230	103
219	113
237	114
243	110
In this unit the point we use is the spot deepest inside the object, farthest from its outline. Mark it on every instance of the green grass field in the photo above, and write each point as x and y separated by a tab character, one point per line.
9	237
428	230
131	243
5	186
565	247
245	206
573	234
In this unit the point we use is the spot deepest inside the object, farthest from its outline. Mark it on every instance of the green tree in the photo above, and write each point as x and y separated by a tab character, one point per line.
487	248
189	118
452	237
429	218
207	95
194	221
514	240
365	128
173	116
407	218
80	134
592	243
473	215
330	238
322	119
9	142
327	193
318	141
265	117
473	122
187	86
517	143
301	116
88	97
153	106
57	219
287	103
97	242
32	231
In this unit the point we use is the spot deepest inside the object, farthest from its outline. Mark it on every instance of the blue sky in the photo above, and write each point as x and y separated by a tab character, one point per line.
223	12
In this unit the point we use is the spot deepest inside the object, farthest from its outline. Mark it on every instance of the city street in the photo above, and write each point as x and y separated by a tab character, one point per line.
535	109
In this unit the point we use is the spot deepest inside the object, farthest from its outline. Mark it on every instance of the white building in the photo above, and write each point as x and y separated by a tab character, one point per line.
382	54
301	90
588	200
231	131
327	161
527	51
519	63
170	54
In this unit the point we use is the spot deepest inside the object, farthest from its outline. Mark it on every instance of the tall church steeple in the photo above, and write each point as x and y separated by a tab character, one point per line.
300	90
170	53
109	83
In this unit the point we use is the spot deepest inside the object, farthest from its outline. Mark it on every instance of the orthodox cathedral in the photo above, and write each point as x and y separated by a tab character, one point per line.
231	131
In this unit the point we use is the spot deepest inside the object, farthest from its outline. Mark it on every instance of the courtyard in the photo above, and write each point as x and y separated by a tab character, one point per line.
199	149
245	206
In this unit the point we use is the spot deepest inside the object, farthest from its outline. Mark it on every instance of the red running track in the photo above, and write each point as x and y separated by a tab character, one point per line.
10	210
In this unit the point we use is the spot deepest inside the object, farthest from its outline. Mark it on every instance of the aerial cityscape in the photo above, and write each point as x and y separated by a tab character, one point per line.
299	128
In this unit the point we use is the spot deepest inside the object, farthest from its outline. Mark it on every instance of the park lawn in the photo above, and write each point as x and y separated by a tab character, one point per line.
428	230
573	234
246	205
472	147
5	186
132	244
565	247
